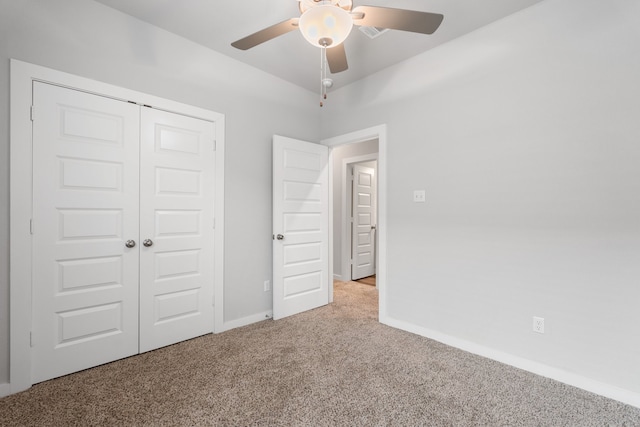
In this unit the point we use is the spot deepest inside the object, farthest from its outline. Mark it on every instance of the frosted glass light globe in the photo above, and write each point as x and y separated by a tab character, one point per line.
325	25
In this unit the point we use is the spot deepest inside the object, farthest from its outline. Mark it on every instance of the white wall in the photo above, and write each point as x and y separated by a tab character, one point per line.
88	39
339	153
525	135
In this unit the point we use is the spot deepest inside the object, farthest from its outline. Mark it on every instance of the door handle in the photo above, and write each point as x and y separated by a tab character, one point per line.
280	237
130	243
148	242
373	227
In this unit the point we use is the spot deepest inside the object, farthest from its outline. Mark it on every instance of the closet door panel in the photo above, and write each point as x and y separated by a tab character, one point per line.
85	207
176	207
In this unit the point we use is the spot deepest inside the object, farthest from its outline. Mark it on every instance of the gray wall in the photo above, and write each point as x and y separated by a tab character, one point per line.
525	135
88	39
339	153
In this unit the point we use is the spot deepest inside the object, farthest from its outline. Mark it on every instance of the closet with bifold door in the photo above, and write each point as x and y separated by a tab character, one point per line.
122	229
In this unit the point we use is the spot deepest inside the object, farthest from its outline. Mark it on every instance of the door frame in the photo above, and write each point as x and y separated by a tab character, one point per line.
347	202
378	132
23	75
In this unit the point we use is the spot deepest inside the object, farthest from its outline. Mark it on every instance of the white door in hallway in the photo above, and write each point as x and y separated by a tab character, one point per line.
85	209
176	228
363	222
300	226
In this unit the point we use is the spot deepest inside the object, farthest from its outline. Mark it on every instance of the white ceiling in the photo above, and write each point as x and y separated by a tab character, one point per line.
215	24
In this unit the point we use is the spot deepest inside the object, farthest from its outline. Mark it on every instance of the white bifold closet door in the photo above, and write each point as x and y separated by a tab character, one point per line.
108	176
176	221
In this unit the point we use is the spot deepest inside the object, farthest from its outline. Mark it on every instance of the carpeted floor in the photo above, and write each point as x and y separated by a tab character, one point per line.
333	366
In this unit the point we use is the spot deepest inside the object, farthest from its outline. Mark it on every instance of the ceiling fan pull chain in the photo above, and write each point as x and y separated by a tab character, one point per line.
324	72
322	89
321	77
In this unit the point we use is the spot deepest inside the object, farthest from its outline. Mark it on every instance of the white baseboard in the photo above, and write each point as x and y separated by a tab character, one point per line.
5	389
579	381
244	321
337	277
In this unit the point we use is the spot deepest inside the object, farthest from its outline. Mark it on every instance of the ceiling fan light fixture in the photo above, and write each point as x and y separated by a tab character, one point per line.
326	25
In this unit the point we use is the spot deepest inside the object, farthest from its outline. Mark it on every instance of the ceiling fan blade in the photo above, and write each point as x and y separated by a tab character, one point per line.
266	34
337	59
397	19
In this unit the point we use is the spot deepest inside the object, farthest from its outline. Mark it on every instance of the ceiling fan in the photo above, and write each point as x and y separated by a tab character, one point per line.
327	23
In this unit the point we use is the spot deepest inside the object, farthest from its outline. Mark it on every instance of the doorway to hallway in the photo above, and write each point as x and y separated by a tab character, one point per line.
376	139
355	211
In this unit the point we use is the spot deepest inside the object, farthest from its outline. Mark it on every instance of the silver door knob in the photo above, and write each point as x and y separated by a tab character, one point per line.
280	237
148	242
130	243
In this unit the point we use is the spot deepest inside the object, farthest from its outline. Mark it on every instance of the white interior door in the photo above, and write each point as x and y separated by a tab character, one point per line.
300	226
363	222
85	207
123	229
176	228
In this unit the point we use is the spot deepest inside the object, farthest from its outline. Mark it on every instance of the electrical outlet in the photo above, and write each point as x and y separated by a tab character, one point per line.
538	325
419	196
267	285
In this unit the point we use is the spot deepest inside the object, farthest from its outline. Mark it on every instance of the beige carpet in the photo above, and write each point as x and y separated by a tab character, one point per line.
333	366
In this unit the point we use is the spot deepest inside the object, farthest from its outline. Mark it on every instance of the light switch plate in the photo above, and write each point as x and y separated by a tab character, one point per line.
418	196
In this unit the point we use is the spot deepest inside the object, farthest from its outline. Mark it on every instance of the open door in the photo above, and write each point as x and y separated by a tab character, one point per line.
300	226
363	222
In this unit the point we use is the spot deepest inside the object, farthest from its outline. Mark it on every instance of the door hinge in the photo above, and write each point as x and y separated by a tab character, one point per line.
31	226
215	145
31	343
32	113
